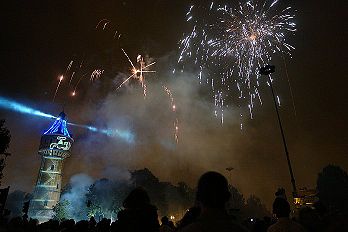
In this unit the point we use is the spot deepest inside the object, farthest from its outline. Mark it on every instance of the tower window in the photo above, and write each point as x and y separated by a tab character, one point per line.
52	167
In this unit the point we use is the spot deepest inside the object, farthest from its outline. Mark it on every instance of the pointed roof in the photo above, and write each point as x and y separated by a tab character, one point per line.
59	126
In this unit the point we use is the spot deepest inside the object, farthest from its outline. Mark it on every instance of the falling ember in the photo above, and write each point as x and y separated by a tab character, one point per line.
176	132
96	74
176	121
55	93
71	78
77	84
102	22
69	66
170	95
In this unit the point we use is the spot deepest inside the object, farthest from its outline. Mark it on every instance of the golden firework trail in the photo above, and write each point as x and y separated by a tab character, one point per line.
173	107
103	22
71	78
55	93
96	74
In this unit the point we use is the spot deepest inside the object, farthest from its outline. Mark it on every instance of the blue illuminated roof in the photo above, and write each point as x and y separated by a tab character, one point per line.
59	126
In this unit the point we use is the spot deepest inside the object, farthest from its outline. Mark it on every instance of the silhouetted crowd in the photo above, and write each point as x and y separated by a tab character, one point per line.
208	214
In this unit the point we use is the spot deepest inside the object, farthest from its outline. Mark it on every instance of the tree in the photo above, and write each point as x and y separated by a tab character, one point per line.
105	197
61	210
236	201
154	188
15	202
5	137
332	186
235	204
255	208
187	194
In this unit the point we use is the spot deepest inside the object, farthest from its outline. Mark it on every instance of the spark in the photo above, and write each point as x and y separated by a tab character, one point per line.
103	22
78	82
96	74
55	93
71	78
229	45
170	95
69	66
176	132
115	35
138	72
173	107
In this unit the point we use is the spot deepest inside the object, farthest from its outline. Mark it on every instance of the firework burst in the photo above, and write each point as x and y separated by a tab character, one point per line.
138	71
229	45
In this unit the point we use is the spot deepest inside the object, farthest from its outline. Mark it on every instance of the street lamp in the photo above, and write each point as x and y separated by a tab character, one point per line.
267	70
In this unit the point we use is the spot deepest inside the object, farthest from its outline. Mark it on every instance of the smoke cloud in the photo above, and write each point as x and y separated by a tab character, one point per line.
204	143
76	195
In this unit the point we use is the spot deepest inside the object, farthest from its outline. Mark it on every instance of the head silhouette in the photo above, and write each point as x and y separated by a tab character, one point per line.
212	190
136	198
165	220
281	207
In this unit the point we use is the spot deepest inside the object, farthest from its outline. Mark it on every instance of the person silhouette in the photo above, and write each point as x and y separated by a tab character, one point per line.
212	195
165	226
281	209
138	213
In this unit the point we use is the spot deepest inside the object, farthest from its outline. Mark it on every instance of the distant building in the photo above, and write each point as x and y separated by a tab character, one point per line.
306	197
55	146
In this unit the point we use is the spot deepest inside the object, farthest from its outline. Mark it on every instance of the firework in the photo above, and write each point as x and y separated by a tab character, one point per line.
55	93
173	107
138	72
69	67
96	74
77	84
103	23
176	130
170	95
229	45
71	77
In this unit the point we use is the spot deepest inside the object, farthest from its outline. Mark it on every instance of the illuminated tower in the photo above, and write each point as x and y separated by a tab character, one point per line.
54	147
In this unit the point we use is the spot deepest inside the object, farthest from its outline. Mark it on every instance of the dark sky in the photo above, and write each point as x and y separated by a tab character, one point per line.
39	38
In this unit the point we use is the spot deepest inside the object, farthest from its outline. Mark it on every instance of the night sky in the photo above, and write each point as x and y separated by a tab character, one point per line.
40	38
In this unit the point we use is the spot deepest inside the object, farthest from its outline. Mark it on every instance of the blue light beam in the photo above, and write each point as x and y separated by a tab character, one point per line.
20	108
124	134
17	107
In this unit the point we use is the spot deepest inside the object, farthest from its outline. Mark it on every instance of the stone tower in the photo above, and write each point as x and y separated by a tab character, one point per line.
54	147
